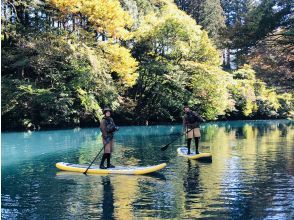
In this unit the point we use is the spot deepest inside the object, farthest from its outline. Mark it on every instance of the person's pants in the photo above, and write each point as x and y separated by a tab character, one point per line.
108	148
193	133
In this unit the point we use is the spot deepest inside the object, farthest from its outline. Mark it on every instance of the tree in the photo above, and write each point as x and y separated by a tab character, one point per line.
50	78
209	89
174	54
273	61
106	17
207	13
254	99
249	22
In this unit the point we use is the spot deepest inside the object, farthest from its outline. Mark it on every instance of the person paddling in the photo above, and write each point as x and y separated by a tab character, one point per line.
107	128
191	124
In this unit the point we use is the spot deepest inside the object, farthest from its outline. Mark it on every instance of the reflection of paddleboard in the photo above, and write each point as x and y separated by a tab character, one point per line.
182	151
152	177
117	170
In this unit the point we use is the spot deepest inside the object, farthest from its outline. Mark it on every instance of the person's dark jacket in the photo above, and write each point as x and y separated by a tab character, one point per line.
187	123
107	127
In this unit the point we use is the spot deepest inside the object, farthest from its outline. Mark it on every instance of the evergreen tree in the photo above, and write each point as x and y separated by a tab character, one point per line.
207	13
249	22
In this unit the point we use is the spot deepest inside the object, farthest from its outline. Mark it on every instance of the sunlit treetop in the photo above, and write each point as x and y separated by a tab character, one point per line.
121	62
106	16
173	33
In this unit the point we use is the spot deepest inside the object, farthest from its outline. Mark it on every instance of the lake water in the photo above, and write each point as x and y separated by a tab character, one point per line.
251	175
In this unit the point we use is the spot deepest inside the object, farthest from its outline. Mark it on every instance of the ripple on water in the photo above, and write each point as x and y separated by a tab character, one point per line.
250	177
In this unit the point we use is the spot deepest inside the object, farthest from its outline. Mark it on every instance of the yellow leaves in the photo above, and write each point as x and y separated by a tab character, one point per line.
207	51
67	6
122	63
267	95
246	72
243	90
105	15
169	13
252	94
108	58
172	33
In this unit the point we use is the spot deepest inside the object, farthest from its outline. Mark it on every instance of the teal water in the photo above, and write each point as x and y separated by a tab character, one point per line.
251	175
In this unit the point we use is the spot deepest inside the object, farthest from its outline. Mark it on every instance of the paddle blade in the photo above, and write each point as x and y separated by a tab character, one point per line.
165	147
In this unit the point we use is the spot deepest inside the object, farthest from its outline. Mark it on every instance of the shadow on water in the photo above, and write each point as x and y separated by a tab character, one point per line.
191	181
108	200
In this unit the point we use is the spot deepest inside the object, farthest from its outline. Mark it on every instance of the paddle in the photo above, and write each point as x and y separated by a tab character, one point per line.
96	157
166	146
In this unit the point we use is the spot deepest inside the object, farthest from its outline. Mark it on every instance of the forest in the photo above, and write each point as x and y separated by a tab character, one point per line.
63	61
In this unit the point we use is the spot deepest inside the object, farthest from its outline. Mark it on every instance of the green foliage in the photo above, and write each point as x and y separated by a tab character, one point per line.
90	103
207	13
208	86
62	61
57	82
164	42
254	99
159	92
286	109
267	100
175	35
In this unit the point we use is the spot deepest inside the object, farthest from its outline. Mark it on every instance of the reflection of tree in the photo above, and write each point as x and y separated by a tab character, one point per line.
132	192
284	129
41	196
259	158
125	192
209	131
240	133
249	175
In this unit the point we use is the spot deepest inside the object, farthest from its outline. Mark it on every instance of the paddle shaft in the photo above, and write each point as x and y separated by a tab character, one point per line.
166	146
96	157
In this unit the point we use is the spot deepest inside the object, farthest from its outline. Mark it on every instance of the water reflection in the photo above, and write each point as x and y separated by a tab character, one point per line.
251	175
108	199
192	188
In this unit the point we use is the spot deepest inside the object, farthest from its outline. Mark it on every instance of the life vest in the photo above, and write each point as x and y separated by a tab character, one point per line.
191	117
109	125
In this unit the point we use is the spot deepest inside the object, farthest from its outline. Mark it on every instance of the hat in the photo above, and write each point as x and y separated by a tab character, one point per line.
106	109
186	105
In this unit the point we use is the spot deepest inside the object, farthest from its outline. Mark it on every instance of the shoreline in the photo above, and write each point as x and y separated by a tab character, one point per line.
136	125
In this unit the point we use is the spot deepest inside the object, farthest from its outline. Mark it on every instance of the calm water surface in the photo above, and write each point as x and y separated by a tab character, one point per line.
251	175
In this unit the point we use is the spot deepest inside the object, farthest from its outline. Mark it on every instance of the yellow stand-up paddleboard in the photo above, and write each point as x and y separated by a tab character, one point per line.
131	170
182	151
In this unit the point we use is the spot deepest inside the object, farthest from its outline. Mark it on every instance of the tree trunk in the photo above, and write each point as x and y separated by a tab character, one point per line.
73	23
36	21
11	15
226	59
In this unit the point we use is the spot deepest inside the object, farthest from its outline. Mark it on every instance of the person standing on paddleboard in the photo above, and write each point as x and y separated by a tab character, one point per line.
107	128
191	125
